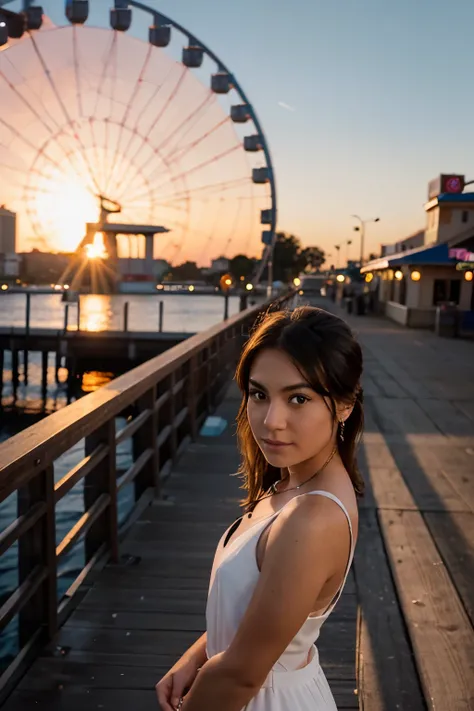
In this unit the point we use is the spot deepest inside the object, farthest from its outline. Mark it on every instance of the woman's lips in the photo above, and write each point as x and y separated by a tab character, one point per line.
275	444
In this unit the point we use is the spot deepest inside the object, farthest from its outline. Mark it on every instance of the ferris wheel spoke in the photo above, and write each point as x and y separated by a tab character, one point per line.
14	131
31	89
179	153
95	150
168	102
159	116
212	188
57	95
200	166
217	220
209	99
77	74
105	65
126	183
26	103
108	164
133	130
233	229
204	164
136	88
189	118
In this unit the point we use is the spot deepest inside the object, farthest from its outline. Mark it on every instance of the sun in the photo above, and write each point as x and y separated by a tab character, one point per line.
63	206
96	249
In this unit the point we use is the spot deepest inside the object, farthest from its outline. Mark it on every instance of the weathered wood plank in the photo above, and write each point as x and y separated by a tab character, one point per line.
122	699
454	536
387	679
441	635
131	620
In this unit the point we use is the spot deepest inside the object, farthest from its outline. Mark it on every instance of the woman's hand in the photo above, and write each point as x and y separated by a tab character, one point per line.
173	686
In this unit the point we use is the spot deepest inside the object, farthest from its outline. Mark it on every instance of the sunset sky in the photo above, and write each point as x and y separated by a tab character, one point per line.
362	102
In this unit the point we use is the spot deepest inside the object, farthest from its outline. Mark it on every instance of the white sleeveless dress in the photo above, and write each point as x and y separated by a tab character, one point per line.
233	579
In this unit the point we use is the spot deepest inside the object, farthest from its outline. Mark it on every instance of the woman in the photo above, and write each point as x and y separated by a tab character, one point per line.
279	569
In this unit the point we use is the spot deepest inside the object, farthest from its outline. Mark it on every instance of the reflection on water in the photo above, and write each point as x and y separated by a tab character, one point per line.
185	313
96	313
93	380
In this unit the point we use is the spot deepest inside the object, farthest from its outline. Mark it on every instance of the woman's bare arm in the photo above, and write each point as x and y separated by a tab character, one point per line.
197	652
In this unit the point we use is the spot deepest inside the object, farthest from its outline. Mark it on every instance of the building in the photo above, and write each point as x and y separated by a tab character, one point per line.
43	267
411	242
7	231
412	282
9	260
129	268
219	265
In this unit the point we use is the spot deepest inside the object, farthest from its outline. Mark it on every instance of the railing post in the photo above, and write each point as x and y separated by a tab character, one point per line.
103	480
66	317
160	317
78	313
172	414
27	333
37	551
209	370
125	316
192	395
145	439
28	313
226	306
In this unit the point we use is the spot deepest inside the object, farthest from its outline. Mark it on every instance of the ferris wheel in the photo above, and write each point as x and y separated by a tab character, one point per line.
95	111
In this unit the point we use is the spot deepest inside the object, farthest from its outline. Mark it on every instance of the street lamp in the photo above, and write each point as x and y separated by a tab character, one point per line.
348	244
361	229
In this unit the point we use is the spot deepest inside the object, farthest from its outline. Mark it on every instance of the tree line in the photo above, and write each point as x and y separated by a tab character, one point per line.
290	258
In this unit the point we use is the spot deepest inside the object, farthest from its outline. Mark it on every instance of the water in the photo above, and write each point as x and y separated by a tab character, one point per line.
182	313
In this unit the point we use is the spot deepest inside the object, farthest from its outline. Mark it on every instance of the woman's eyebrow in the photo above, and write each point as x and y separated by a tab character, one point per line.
287	388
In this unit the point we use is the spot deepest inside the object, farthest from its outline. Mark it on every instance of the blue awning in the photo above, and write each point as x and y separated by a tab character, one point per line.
436	255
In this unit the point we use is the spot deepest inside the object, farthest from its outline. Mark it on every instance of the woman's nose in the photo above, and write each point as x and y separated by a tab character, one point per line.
275	417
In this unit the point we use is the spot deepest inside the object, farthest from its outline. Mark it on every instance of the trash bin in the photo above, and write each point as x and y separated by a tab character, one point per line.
447	320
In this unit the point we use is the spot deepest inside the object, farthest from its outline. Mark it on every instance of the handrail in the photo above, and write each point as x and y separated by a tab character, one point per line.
30	451
165	401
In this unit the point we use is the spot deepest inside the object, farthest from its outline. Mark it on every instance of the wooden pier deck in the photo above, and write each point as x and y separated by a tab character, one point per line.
402	636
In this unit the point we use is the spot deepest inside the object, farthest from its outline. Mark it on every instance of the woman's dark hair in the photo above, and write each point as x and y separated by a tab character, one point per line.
325	351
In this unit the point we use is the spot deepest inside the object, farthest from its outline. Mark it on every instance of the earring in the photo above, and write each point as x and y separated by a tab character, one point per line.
342	425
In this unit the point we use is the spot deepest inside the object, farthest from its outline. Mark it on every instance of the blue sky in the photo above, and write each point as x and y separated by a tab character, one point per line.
381	94
383	102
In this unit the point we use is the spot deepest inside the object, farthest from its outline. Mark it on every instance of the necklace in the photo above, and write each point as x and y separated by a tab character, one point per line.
273	490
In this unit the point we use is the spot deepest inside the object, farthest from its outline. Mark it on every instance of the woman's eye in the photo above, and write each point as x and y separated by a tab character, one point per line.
299	399
255	394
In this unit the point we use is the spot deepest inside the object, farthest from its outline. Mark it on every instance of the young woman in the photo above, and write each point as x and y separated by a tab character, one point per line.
280	569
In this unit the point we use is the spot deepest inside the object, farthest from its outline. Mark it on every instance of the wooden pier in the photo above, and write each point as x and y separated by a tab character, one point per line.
80	351
402	636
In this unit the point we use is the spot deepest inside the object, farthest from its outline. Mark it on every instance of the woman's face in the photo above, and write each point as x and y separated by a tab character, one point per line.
291	423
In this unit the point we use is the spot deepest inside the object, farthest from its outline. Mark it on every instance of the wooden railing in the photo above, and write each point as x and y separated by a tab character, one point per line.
165	401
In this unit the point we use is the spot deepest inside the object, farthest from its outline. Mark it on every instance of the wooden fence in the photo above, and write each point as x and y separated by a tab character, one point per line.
165	401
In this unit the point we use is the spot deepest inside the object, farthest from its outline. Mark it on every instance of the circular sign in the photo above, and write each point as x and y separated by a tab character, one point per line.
453	184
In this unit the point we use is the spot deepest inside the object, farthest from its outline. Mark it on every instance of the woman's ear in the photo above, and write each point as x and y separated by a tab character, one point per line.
344	411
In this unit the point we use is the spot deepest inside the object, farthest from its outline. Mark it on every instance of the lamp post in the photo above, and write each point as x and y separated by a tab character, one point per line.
337	247
361	229
348	244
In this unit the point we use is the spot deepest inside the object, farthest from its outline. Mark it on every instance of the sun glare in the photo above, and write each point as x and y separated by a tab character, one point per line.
63	206
96	249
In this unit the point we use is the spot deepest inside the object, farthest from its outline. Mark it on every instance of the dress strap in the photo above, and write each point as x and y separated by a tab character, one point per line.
333	497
